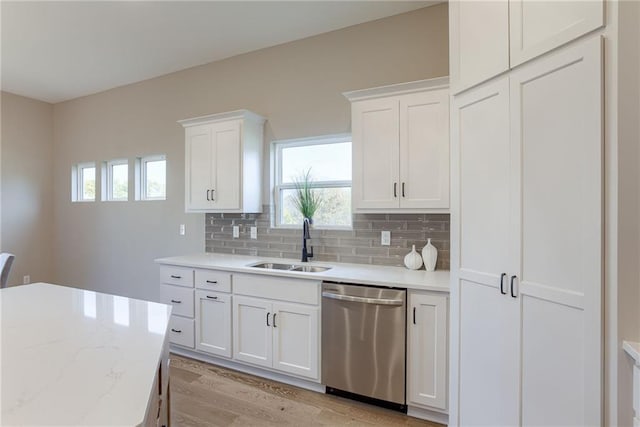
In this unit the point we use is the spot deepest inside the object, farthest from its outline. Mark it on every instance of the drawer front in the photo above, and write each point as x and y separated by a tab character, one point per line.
179	297
182	331
277	288
179	276
212	280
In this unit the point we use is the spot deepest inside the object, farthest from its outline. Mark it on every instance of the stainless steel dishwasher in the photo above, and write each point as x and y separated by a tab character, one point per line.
364	343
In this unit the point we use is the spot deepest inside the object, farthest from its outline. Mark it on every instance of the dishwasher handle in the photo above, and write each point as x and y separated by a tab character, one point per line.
351	298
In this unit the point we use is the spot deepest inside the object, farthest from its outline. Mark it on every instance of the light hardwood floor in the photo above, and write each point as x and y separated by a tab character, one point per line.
208	395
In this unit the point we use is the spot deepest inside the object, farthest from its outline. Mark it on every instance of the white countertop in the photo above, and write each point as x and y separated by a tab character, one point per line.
72	357
340	272
633	349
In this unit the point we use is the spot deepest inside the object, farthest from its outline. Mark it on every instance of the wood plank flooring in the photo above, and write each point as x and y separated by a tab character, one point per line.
208	395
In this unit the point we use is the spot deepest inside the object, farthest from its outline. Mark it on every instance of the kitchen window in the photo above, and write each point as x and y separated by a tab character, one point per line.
328	160
152	178
83	182
116	175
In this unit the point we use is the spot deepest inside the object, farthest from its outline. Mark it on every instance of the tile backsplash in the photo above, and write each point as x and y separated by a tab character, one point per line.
360	245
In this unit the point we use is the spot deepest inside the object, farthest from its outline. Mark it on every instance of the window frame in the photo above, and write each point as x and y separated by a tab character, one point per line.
77	179
141	176
108	179
278	186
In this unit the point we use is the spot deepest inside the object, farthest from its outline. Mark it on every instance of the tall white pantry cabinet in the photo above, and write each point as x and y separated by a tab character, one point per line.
526	257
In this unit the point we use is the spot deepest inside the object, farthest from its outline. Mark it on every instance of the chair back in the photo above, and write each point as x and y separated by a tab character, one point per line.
6	259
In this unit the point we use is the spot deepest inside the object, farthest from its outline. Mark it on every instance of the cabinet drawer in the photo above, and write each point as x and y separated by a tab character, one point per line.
277	288
179	297
219	281
181	331
179	276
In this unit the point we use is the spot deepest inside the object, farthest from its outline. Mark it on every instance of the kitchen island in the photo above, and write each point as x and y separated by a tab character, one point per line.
74	357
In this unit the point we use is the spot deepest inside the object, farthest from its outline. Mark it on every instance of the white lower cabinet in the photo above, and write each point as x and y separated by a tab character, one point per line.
281	336
252	331
427	350
213	323
181	331
295	339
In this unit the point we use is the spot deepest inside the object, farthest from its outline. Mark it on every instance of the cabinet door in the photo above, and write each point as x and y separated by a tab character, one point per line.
557	131
484	360
213	323
252	336
375	153
427	350
179	297
226	165
199	155
538	26
424	150
479	41
296	339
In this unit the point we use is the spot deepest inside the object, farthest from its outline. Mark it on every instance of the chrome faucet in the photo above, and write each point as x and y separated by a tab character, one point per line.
305	236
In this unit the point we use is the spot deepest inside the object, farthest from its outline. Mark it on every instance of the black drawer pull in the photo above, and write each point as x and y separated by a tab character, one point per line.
414	316
175	301
403	190
176	277
268	319
212	281
274	320
502	276
513	295
176	330
210	297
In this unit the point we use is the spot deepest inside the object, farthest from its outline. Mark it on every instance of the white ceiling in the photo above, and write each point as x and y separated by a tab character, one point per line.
55	51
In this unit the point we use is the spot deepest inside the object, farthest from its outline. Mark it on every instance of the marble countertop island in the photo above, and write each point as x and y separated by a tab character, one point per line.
72	357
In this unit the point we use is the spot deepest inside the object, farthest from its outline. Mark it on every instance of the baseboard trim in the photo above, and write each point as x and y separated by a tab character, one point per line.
247	369
426	414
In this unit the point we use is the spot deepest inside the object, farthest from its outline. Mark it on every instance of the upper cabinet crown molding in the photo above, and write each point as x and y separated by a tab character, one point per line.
223	162
488	38
220	117
397	89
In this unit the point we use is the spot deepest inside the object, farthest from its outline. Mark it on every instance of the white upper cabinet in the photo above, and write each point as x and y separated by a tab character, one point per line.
490	37
400	137
223	156
538	26
479	41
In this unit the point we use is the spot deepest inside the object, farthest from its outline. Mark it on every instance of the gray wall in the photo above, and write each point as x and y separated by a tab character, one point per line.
628	251
27	186
109	246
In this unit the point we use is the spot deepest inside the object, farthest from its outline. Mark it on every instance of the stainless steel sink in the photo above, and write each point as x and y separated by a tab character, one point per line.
274	266
290	267
310	268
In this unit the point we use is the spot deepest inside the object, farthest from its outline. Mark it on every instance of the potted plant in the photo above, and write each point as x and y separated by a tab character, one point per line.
306	200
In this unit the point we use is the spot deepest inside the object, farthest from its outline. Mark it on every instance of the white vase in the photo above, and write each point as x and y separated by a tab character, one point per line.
413	260
430	256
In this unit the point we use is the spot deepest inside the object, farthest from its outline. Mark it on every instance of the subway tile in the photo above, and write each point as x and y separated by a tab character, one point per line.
338	250
354	259
360	245
246	251
389	225
223	250
281	246
325	257
378	251
372	217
